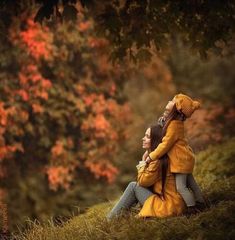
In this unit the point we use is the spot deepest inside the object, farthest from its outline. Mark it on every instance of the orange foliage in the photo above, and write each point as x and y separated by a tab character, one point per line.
112	107
37	40
98	126
59	176
3	115
37	108
33	83
101	126
79	88
84	26
3	152
100	123
24	116
97	43
112	89
89	99
41	94
6	150
89	102
99	105
23	94
102	169
57	149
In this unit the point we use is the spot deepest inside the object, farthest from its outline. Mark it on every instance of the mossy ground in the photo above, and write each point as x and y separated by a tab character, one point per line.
215	174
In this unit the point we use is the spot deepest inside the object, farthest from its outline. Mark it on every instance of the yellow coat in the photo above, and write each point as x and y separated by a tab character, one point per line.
154	206
181	156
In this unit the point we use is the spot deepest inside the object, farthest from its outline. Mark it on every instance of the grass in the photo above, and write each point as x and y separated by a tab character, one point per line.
214	172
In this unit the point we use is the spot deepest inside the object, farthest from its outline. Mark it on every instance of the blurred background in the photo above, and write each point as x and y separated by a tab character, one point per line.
75	103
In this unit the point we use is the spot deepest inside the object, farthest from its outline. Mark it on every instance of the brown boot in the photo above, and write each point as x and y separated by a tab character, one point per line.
201	206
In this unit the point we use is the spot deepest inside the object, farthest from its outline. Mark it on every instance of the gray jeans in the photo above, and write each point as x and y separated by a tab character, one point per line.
132	195
185	182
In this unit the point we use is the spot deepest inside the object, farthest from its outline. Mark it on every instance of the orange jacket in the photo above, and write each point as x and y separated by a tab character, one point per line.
181	156
154	206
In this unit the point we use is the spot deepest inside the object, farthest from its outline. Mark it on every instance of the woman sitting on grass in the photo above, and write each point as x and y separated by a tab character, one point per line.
155	188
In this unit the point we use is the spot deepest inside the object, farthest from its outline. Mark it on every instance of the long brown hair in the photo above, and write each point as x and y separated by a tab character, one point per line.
157	132
155	140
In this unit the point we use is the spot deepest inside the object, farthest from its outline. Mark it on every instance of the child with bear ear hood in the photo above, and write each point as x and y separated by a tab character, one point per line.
181	156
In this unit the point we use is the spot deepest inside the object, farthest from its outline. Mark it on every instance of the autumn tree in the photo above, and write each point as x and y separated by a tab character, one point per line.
61	103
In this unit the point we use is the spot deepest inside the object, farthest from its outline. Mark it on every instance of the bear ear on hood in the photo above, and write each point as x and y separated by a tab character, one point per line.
179	104
196	105
178	95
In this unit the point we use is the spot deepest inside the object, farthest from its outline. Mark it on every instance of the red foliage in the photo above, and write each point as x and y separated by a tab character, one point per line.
3	115
38	41
102	169
86	101
97	43
59	176
37	108
33	84
84	26
57	149
6	150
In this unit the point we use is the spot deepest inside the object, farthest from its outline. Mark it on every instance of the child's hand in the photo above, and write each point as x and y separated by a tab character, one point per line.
148	160
162	198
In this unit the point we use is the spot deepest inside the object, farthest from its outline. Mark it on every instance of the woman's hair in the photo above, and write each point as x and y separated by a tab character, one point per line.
155	136
155	140
157	132
174	114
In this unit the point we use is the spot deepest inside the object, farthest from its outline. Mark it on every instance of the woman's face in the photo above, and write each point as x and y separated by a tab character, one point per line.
169	107
146	139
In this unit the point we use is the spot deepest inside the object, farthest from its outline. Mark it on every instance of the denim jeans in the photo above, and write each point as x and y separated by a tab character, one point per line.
132	195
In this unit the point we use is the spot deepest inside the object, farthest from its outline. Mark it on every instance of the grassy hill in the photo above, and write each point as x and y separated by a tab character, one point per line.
214	172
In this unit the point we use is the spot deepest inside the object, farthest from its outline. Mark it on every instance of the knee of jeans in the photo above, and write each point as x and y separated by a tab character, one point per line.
132	184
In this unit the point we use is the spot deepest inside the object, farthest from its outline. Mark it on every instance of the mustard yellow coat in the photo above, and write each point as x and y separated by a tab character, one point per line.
181	156
154	206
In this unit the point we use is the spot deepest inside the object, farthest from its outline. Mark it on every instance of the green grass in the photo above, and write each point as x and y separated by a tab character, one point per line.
214	172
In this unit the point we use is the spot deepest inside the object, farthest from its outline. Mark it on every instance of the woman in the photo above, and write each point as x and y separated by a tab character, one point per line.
155	188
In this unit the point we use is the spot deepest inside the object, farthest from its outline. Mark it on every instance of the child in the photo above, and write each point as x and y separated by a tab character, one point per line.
181	157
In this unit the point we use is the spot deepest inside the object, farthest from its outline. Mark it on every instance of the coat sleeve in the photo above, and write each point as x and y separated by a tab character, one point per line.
147	176
167	142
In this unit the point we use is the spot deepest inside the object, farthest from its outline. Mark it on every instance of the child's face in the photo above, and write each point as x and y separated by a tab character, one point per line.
146	139
169	107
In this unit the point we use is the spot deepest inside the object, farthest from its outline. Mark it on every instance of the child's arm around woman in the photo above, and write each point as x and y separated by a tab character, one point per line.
167	142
